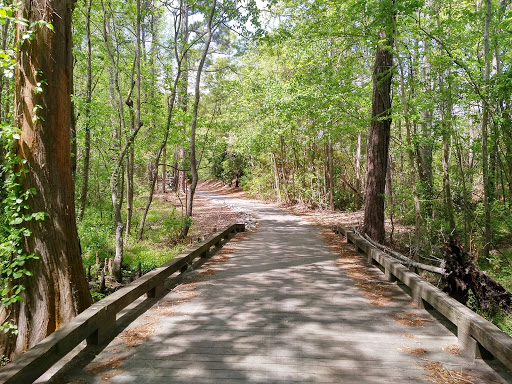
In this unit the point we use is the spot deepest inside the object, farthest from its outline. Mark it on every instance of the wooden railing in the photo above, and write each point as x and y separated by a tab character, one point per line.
477	337
98	322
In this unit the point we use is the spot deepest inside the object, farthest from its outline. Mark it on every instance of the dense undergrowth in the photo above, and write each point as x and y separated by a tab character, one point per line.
160	242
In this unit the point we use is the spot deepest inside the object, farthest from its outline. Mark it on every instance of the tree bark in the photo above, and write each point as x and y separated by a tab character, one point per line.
378	139
330	161
485	121
183	98
193	126
58	289
276	176
357	199
117	175
447	125
425	148
164	168
87	117
130	164
4	35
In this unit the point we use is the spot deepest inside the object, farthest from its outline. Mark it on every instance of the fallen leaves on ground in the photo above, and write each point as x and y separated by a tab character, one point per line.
410	319
452	348
208	272
438	374
408	335
108	369
368	281
209	216
133	337
418	352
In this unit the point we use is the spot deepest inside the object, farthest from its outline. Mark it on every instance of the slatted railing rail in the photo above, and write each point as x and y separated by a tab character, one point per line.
477	337
97	323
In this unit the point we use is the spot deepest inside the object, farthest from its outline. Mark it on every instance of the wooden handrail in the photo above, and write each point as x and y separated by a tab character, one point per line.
98	322
477	337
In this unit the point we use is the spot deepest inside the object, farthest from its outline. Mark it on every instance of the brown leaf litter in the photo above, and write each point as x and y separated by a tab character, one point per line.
452	348
133	337
219	258
418	352
108	369
410	319
208	272
438	374
408	335
369	282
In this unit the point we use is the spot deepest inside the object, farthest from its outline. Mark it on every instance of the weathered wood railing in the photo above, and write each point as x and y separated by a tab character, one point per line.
477	337
98	322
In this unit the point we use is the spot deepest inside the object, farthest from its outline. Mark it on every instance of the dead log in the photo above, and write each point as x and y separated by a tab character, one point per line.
464	277
405	260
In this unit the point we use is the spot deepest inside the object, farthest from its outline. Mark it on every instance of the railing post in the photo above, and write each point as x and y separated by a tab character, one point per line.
106	326
156	291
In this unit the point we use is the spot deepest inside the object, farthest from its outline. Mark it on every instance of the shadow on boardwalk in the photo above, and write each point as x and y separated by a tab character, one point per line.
277	310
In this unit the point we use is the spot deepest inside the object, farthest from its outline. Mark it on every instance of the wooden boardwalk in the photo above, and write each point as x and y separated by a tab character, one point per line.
277	310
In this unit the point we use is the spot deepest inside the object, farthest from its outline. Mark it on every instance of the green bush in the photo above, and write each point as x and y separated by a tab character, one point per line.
95	236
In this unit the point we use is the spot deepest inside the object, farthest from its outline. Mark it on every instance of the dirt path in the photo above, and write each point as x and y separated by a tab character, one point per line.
280	305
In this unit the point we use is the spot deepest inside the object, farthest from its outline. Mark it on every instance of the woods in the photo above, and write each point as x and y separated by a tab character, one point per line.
397	109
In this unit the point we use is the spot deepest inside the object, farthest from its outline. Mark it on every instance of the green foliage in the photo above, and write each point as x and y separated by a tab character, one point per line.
97	296
500	267
500	318
172	225
95	235
13	260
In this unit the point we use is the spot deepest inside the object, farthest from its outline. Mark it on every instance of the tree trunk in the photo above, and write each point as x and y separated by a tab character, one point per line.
330	161
130	159
4	103
389	196
87	117
276	176
58	289
117	175
164	167
485	121
424	149
357	200
378	139
130	163
193	126
183	98
284	172
447	125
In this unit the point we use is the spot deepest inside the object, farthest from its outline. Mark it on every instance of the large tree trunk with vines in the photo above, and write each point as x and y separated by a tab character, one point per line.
58	289
378	141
